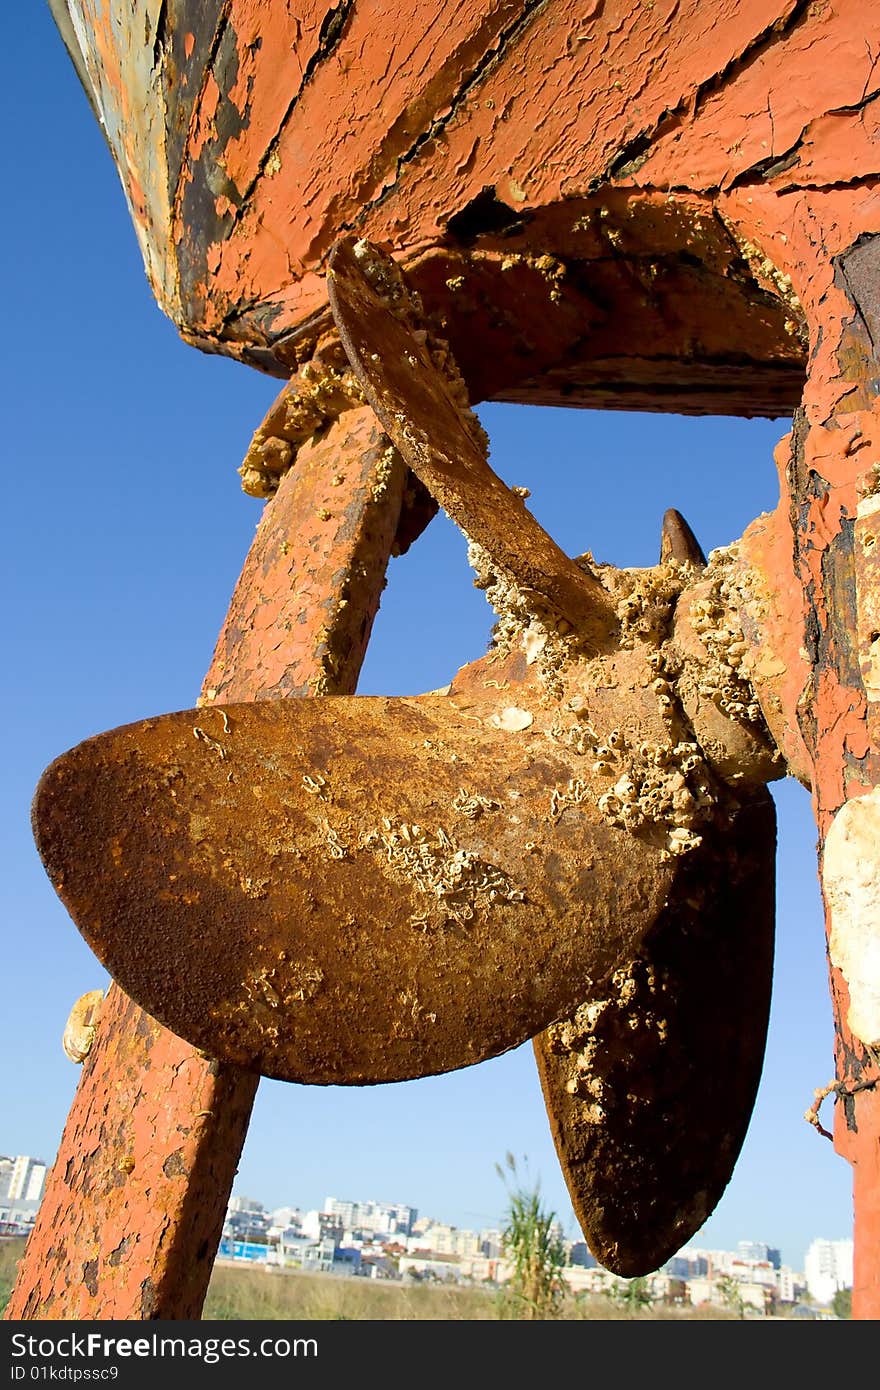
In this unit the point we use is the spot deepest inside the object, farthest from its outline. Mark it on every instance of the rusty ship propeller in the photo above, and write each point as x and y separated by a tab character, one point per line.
573	843
650	1084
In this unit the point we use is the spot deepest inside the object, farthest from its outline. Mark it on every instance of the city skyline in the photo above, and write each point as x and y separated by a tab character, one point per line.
124	534
26	1174
745	1246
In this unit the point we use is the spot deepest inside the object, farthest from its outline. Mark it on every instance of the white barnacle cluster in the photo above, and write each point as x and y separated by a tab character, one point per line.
553	271
285	983
335	848
254	887
574	794
383	473
580	736
648	783
471	805
765	270
725	680
319	393
456	880
525	621
868	484
645	598
413	1009
577	1039
655	783
601	1034
405	303
384	276
315	786
266	993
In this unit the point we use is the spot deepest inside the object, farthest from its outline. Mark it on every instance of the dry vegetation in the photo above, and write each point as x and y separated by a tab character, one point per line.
241	1294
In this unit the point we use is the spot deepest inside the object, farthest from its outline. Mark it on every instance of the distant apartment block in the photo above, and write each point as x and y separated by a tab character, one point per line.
246	1221
688	1264
282	1218
22	1178
386	1218
828	1267
447	1240
757	1252
245	1204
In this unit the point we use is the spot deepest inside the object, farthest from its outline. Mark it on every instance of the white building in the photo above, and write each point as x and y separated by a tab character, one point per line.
245	1204
27	1179
492	1244
388	1218
447	1240
282	1218
789	1285
828	1266
246	1219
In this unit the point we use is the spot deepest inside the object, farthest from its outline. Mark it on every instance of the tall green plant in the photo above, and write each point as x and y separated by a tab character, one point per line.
841	1303
730	1295
536	1253
633	1294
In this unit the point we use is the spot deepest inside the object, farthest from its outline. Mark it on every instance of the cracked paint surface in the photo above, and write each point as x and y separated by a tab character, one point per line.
259	135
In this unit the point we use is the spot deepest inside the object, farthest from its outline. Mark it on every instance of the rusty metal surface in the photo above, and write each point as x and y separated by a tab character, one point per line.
421	400
650	1084
303	888
811	627
129	1223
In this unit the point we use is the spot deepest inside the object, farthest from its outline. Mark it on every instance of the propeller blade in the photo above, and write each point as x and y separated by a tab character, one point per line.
345	890
650	1084
678	542
424	409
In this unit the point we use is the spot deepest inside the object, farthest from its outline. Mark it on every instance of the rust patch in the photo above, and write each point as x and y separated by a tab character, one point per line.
90	1276
175	1165
861	270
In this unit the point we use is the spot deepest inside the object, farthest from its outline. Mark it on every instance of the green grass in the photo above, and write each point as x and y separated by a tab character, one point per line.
11	1251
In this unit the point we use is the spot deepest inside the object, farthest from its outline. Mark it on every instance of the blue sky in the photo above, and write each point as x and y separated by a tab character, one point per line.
123	533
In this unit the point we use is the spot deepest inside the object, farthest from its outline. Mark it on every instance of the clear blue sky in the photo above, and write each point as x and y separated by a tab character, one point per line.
123	533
